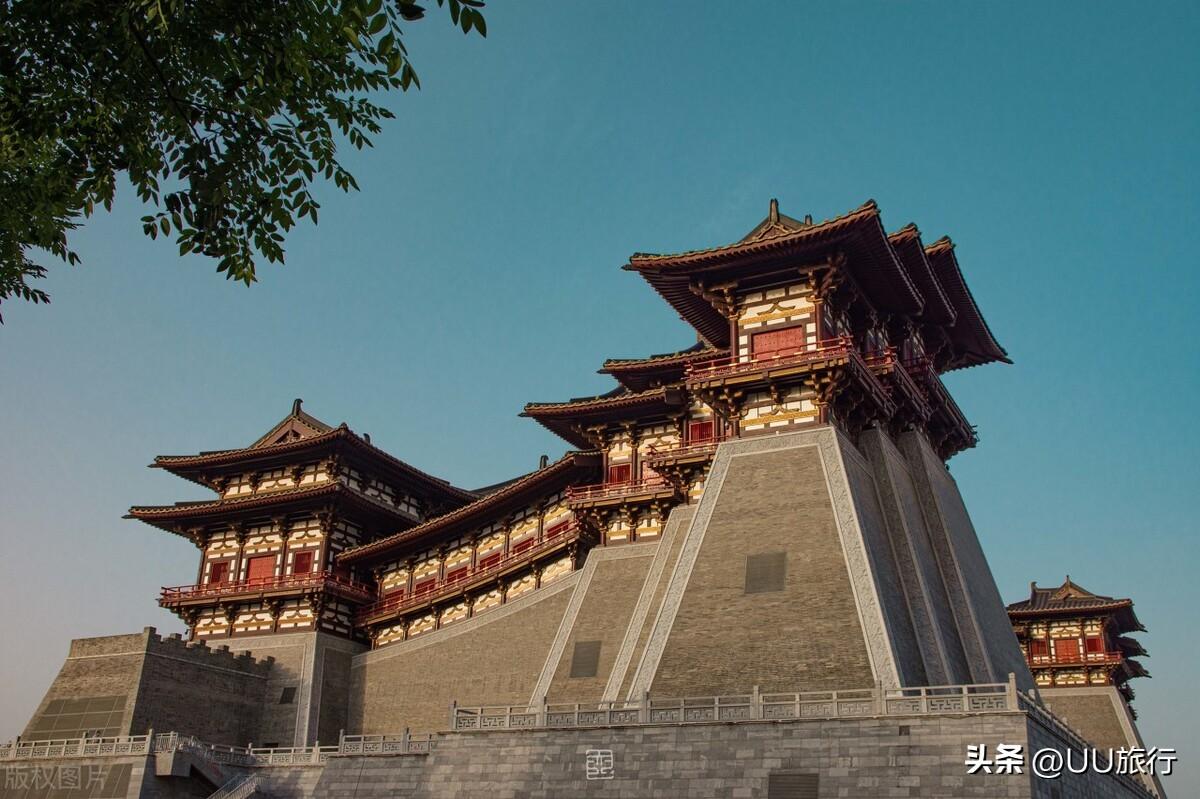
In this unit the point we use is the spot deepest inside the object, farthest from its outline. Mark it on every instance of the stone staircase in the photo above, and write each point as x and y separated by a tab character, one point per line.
240	787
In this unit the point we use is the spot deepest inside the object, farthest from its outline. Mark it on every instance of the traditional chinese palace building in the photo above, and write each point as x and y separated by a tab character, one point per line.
1074	638
1079	651
764	511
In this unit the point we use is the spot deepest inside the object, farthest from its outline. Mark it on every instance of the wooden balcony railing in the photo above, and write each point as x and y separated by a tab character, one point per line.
319	580
399	602
1078	659
729	367
686	448
627	488
922	371
889	362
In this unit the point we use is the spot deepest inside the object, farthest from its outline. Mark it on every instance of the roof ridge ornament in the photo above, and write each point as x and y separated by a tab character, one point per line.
773	213
297	403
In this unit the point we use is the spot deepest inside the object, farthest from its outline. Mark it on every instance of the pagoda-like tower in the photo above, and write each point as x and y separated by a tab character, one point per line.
799	324
1081	657
285	506
812	337
1073	638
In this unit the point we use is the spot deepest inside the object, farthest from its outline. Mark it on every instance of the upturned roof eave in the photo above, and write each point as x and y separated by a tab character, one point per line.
189	466
859	233
970	332
479	512
167	517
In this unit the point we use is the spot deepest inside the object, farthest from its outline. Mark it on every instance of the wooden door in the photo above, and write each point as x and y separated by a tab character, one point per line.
618	473
700	432
1066	650
302	563
218	572
260	569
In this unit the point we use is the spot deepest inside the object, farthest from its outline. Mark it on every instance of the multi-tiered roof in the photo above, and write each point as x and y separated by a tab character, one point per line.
863	324
1106	653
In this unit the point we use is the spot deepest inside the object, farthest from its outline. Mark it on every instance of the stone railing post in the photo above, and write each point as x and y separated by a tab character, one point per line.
454	715
541	711
404	741
756	707
880	699
1010	692
644	708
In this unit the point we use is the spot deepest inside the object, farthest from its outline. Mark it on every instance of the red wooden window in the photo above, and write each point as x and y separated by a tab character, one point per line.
457	574
1095	644
618	473
490	560
425	586
1039	649
260	569
1066	649
700	431
557	528
219	572
522	545
302	563
778	342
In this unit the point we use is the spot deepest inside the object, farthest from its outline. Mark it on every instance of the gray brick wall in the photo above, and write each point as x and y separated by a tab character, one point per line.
495	657
948	514
864	758
168	685
807	637
604	617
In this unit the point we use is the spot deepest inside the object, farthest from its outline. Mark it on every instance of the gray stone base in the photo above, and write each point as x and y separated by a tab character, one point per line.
893	756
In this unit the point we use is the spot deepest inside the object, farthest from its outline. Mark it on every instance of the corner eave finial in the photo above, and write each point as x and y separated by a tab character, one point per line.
296	403
774	213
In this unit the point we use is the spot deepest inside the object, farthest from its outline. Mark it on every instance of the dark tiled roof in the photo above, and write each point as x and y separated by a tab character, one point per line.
639	374
859	234
908	246
697	350
481	510
1131	646
185	465
970	336
619	397
1073	598
165	516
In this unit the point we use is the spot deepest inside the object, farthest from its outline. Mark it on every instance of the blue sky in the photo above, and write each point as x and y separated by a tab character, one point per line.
478	269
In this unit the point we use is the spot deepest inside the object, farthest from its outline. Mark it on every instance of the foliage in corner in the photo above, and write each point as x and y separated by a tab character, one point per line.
221	113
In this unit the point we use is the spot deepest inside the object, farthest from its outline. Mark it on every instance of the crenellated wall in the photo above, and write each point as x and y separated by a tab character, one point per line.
143	681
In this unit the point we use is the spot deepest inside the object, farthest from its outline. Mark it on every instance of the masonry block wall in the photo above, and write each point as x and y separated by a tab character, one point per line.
209	692
990	643
128	684
97	672
580	663
495	657
869	758
943	659
1099	714
727	636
